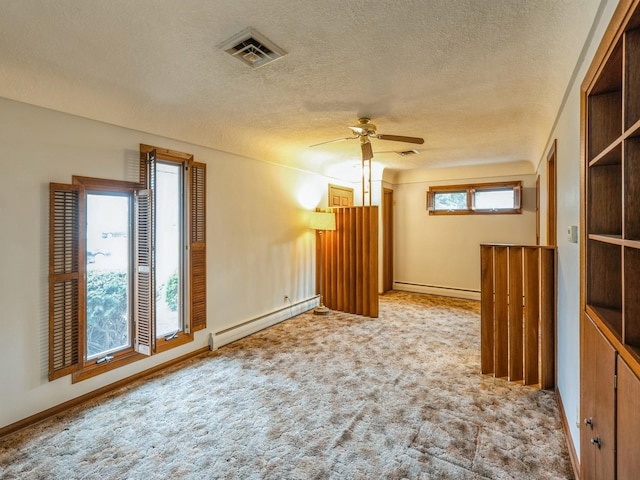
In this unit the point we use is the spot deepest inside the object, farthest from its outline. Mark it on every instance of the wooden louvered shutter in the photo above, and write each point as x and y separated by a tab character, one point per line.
149	227
143	305
197	248
431	201
66	267
517	196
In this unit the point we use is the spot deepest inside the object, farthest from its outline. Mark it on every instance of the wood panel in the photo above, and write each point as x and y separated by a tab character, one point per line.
587	395
516	317
631	327
353	235
486	309
604	268
606	108
501	312
340	262
373	263
531	315
387	239
628	434
346	228
366	226
350	261
518	310
597	403
632	189
632	77
359	288
604	413
605	206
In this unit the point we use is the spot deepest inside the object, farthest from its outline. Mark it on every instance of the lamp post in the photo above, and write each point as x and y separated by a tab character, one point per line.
321	222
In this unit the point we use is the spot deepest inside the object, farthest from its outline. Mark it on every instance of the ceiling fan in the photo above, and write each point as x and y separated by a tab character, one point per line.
365	131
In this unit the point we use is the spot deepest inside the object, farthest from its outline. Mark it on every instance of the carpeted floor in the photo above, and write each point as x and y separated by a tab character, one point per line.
336	397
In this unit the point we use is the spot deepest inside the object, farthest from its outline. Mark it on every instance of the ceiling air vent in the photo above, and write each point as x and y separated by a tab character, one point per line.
252	48
407	153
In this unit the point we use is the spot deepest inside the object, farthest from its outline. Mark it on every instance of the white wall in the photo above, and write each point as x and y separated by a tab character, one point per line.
441	253
567	133
258	246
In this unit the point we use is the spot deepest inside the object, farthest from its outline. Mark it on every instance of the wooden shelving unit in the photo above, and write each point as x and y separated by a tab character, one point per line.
610	339
612	187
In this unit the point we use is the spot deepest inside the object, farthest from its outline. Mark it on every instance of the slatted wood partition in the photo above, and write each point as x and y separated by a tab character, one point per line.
350	261
518	285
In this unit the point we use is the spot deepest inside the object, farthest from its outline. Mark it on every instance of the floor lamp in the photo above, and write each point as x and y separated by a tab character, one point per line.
321	222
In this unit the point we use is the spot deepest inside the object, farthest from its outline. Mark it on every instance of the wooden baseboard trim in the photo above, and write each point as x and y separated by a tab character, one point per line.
74	402
575	461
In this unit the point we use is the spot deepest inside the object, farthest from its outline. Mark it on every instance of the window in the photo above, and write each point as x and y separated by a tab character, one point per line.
482	198
108	273
127	265
169	259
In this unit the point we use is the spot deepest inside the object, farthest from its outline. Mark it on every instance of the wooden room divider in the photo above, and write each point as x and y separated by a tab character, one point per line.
518	285
350	261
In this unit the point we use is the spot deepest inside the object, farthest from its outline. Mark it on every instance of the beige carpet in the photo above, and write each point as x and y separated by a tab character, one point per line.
339	397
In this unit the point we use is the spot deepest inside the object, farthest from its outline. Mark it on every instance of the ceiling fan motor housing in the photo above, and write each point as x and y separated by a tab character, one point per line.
364	128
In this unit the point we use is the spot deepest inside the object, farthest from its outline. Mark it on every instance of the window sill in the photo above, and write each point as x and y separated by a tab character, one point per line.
506	211
126	357
163	345
92	369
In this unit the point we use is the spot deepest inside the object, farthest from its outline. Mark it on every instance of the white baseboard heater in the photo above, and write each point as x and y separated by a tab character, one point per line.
437	290
231	334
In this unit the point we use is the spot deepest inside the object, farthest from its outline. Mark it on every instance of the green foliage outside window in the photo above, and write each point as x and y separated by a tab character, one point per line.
171	295
107	319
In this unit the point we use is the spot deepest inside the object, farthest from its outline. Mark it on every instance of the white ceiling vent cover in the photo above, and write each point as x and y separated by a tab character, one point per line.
252	48
406	153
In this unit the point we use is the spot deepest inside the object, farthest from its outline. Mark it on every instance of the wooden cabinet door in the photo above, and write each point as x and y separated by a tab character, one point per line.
597	439
587	401
628	414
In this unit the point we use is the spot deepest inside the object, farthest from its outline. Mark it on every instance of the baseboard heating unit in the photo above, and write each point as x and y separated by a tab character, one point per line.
231	334
437	290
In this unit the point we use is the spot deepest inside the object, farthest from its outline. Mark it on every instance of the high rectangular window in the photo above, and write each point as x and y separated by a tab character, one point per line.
482	198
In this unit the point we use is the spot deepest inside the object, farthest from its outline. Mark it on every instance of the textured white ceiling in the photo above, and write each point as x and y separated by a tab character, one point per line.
480	80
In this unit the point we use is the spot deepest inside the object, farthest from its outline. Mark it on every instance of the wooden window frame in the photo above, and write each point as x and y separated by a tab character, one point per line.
67	278
470	189
196	218
90	368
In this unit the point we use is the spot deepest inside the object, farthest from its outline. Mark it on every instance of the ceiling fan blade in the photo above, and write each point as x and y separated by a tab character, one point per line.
400	138
367	151
333	141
